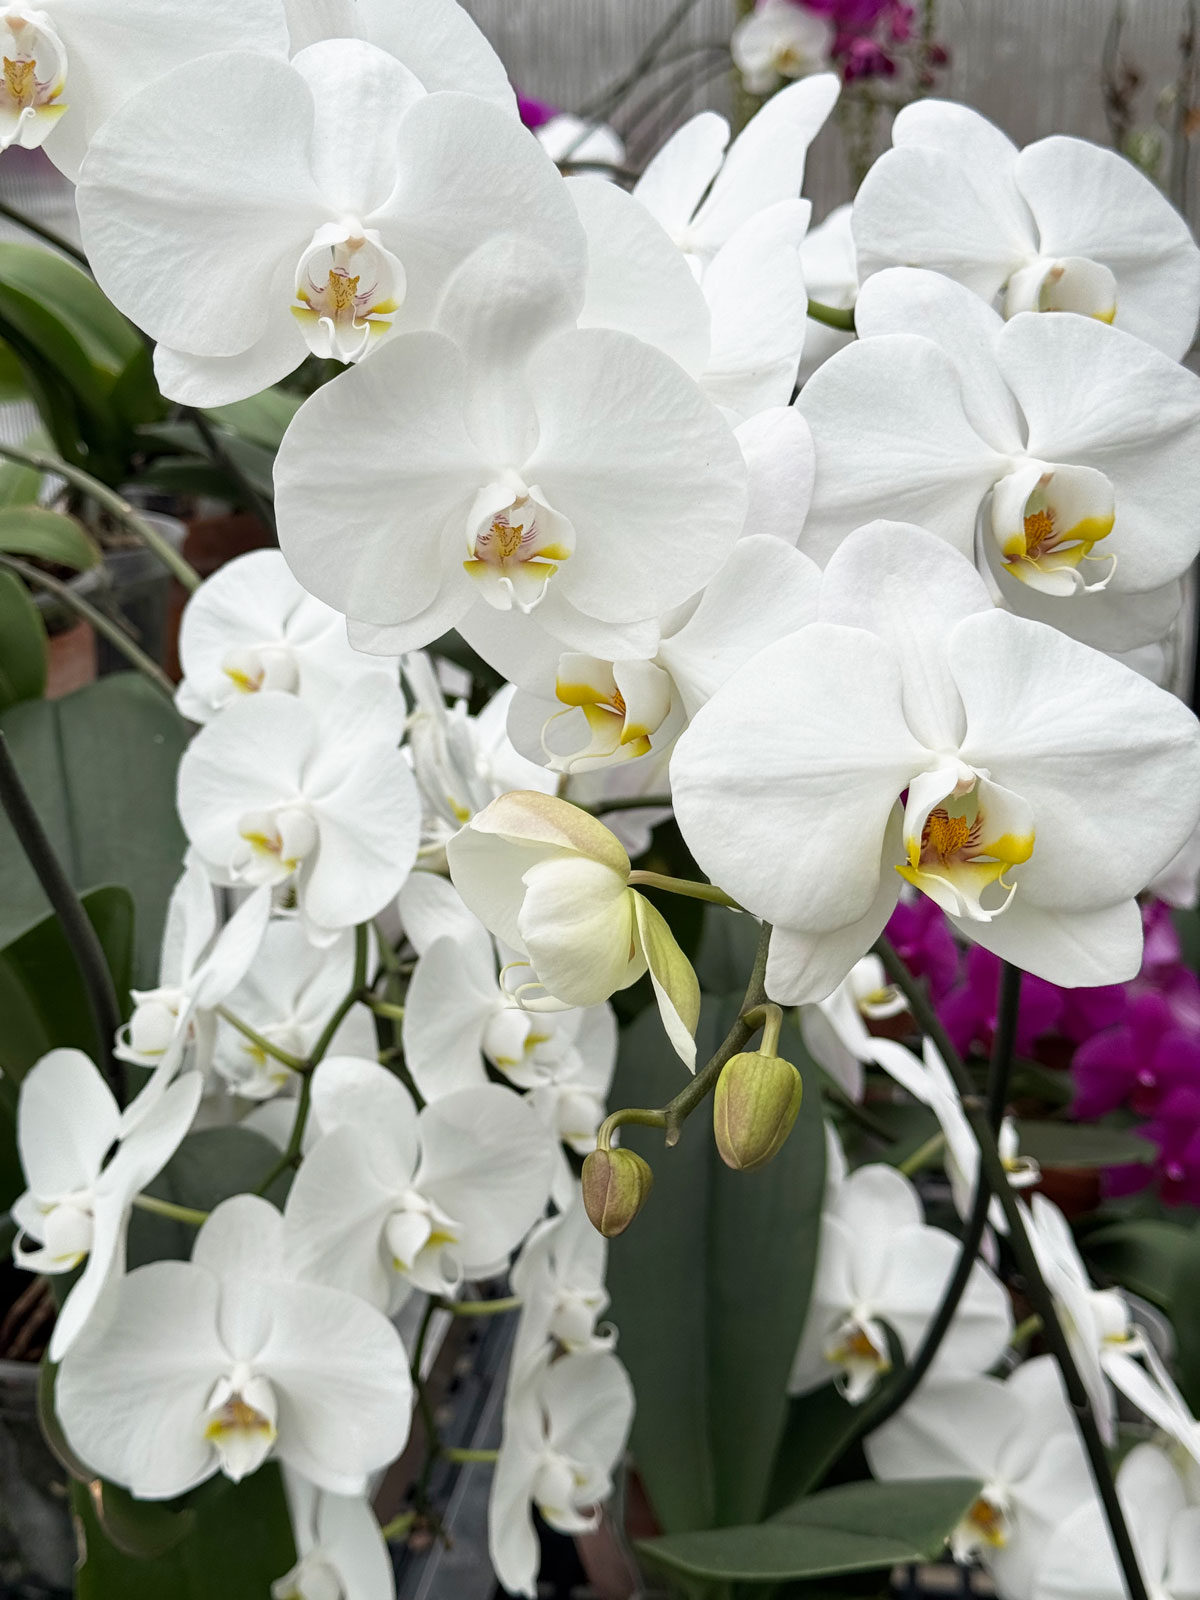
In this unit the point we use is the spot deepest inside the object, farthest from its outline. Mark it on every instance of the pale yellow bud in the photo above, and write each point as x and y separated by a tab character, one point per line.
756	1102
616	1184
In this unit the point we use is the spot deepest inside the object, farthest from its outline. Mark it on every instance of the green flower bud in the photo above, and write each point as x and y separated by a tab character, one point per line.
616	1184
755	1105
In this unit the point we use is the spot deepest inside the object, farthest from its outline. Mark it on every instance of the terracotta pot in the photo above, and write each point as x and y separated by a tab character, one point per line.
72	660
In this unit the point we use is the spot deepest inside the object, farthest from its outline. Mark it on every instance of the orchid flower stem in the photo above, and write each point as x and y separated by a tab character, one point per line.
254	502
1024	1332
994	1177
398	1526
841	318
465	1457
120	510
482	1308
357	989
433	1437
166	1208
887	1403
627	802
920	1158
385	1008
81	936
284	1057
105	626
56	241
683	886
754	1014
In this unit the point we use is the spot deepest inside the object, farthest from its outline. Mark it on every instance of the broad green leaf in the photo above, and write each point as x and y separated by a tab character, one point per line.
710	1288
43	1003
23	653
858	1527
1143	1255
100	767
208	1167
819	1424
1080	1144
47	535
237	1542
74	298
262	419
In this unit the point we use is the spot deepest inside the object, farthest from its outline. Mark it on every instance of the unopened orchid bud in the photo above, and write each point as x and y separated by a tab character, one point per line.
756	1102
616	1184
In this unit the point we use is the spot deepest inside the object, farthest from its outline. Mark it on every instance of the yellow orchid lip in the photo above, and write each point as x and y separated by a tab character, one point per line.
955	861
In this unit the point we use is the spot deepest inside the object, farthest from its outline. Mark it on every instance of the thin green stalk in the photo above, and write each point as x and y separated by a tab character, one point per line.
896	1395
47	235
464	1457
78	931
284	1057
921	1157
118	508
357	992
105	626
682	886
1040	1295
832	316
166	1208
385	1009
671	1117
482	1308
433	1437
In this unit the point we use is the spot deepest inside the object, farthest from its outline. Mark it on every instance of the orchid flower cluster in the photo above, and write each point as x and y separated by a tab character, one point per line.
893	641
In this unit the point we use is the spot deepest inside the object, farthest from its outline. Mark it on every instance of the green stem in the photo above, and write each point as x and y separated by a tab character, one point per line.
385	1008
683	886
284	1057
626	802
220	457
357	992
105	626
46	235
482	1308
1024	1332
166	1208
832	316
920	1158
80	935
398	1526
675	1113
433	1437
453	1453
119	509
1041	1297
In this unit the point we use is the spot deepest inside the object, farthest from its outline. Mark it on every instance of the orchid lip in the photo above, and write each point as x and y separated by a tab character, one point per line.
516	542
348	291
33	73
1047	519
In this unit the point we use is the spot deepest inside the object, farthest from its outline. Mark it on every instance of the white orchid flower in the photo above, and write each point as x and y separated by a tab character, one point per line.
835	1030
1164	1525
559	1276
341	1550
702	192
1108	1346
1075	446
201	962
322	808
881	1274
288	995
217	1363
779	40
584	713
69	64
1062	225
565	1427
552	883
314	206
73	66
458	1019
739	331
916	734
830	267
388	1200
252	627
511	462
84	1164
461	763
1018	1439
